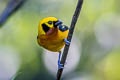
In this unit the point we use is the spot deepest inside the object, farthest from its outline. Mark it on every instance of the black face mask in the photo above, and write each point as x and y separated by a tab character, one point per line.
45	27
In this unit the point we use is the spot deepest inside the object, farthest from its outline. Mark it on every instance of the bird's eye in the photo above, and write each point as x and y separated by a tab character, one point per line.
50	22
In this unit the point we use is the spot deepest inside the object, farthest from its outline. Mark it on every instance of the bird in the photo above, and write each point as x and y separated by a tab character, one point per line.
52	35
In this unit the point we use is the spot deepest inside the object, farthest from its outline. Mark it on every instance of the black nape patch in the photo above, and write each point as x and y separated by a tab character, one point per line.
45	27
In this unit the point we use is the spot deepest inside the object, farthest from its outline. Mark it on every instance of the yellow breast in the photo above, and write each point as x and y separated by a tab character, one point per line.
53	42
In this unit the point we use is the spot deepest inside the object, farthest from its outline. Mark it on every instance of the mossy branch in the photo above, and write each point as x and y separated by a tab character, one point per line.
72	26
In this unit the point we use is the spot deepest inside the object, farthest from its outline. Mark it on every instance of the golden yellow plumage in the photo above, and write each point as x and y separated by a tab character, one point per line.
50	36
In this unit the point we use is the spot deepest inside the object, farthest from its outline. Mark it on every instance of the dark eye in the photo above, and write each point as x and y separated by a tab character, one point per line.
50	22
45	27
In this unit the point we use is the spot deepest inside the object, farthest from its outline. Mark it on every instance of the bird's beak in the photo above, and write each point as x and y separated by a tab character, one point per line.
58	23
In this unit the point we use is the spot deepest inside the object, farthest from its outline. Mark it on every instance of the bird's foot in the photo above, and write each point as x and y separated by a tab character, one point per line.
66	41
60	66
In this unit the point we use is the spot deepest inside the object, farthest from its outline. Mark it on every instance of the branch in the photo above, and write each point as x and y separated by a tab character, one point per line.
72	26
12	6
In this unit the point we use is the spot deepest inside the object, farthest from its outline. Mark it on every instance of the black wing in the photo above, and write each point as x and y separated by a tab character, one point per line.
63	28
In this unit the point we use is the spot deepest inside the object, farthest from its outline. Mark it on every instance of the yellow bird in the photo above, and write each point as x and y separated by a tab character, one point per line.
52	35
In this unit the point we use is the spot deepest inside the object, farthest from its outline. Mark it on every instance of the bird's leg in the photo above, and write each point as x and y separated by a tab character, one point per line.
60	66
66	41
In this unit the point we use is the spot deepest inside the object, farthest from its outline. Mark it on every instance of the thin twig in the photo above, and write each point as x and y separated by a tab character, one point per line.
12	6
72	26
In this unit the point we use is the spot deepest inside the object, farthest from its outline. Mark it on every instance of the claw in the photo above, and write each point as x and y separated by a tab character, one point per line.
60	66
66	41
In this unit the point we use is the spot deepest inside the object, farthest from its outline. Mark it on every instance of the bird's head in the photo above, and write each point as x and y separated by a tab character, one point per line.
47	25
